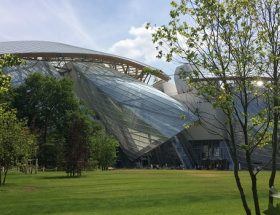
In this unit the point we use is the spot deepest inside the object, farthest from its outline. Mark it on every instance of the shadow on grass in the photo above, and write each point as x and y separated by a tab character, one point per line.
273	210
62	177
8	184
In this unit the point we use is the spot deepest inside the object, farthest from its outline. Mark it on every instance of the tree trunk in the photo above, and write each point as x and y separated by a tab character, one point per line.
45	130
254	183
240	188
236	171
275	52
0	176
274	151
5	175
248	153
255	195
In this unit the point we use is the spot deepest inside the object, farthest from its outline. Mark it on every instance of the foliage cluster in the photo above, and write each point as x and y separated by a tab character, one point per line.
64	126
43	119
104	149
16	142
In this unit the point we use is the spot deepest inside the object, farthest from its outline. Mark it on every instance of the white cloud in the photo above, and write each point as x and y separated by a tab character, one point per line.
139	47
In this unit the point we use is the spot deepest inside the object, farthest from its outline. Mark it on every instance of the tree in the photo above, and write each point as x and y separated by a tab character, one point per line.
64	126
16	142
5	61
79	130
219	39
104	149
39	101
268	26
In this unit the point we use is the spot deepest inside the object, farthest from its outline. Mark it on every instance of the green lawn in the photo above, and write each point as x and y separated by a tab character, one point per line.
126	192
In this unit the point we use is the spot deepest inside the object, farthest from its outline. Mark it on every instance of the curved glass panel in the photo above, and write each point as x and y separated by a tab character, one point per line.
19	73
140	116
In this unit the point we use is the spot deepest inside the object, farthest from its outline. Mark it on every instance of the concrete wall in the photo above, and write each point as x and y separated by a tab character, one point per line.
211	124
166	87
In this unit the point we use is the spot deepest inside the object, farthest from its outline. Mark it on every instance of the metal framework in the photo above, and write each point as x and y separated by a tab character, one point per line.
60	54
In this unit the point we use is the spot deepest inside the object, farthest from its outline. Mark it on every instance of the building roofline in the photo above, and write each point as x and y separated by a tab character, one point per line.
46	50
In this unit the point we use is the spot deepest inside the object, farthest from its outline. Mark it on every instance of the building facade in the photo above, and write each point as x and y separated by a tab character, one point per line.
150	120
141	117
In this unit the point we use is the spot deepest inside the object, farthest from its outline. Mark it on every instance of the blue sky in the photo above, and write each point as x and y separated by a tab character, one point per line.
114	26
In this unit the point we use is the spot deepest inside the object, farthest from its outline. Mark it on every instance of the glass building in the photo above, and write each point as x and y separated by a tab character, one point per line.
141	117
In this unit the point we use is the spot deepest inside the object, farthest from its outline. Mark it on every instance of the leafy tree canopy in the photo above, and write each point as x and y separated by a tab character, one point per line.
104	149
16	142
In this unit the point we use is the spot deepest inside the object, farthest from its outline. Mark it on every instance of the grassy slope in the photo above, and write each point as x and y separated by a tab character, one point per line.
126	192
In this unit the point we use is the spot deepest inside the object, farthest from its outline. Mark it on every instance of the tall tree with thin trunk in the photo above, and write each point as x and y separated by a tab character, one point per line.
16	142
268	26
219	39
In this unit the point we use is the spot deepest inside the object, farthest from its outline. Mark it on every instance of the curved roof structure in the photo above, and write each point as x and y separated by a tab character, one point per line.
53	51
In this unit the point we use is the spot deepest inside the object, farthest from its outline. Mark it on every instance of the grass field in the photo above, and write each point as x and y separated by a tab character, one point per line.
126	192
